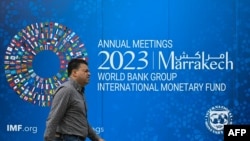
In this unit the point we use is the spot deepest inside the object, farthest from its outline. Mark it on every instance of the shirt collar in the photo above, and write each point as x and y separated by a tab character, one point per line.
77	86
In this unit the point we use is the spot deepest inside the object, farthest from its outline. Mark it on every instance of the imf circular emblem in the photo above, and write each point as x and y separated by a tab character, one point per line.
36	60
216	118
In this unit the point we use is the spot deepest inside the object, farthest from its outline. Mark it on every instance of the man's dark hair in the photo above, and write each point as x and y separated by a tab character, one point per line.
75	63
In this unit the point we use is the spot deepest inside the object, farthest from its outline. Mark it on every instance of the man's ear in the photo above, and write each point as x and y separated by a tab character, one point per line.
73	73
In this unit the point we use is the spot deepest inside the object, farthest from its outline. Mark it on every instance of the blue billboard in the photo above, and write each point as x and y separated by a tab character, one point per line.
164	70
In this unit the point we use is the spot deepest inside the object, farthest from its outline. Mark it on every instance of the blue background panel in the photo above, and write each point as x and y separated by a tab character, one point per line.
213	27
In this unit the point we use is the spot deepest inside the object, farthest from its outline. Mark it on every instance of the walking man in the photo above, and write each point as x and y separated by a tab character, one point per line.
67	120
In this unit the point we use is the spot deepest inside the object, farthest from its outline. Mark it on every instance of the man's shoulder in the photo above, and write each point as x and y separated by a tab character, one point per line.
64	88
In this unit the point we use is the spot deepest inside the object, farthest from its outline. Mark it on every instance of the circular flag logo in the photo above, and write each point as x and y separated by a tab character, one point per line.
36	60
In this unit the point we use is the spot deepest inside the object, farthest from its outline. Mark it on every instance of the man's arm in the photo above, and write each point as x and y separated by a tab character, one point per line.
92	135
58	108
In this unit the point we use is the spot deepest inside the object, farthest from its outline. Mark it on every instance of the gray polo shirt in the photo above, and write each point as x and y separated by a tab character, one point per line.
68	113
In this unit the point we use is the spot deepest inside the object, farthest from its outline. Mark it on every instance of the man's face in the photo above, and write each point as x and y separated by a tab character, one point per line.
82	74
